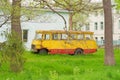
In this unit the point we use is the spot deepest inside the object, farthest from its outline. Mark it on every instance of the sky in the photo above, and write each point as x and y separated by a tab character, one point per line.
96	0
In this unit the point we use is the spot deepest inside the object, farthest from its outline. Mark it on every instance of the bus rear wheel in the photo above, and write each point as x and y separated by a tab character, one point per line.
43	51
78	51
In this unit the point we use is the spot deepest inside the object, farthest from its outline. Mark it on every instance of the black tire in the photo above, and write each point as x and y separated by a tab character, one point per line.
78	51
43	51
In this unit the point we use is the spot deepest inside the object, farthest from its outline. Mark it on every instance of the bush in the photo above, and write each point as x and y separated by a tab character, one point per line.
1	45
12	52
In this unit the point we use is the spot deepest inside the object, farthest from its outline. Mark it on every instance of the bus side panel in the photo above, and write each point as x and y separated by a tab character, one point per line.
75	44
88	46
57	47
91	46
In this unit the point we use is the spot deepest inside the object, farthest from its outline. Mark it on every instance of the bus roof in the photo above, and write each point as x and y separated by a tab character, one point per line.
64	31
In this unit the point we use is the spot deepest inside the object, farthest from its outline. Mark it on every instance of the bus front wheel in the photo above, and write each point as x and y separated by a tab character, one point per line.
43	51
78	51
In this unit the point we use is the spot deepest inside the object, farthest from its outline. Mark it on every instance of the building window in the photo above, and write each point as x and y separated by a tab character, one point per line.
96	38
119	25
101	25
101	38
25	35
119	38
96	25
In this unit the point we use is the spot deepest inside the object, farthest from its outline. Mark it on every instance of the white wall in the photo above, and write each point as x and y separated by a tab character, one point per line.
45	21
100	33
3	29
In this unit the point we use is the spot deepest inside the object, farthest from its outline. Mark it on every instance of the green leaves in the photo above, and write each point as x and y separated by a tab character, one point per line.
5	7
117	3
12	52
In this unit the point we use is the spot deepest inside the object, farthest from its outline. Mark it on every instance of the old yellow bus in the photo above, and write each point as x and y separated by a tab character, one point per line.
63	42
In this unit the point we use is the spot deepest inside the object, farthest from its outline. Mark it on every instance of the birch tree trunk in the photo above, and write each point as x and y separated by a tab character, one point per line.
15	17
109	54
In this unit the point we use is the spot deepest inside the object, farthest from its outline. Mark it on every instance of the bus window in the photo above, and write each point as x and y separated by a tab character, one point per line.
47	37
88	37
55	36
80	37
64	36
38	36
72	36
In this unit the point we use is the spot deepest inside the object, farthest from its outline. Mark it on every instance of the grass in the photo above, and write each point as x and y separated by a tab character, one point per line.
65	67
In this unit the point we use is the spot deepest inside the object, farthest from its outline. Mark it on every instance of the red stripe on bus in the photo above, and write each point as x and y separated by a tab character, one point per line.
70	51
62	51
87	51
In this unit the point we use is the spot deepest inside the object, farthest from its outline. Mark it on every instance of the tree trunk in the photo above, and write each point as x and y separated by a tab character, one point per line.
70	21
15	17
109	55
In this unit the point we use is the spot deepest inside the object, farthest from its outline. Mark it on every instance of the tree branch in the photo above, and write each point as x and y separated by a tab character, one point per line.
50	7
59	3
7	19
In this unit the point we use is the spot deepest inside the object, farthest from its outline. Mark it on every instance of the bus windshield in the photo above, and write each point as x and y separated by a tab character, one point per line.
38	36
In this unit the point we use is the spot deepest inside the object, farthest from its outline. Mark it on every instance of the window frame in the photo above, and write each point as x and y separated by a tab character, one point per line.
88	38
80	36
63	34
25	35
102	25
119	24
53	36
45	36
96	26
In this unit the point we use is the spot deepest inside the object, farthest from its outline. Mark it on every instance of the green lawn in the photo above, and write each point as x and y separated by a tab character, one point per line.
65	67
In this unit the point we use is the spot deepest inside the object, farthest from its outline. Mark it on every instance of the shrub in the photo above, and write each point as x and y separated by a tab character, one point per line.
12	52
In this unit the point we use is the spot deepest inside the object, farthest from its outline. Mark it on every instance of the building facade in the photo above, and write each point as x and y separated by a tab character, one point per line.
96	25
